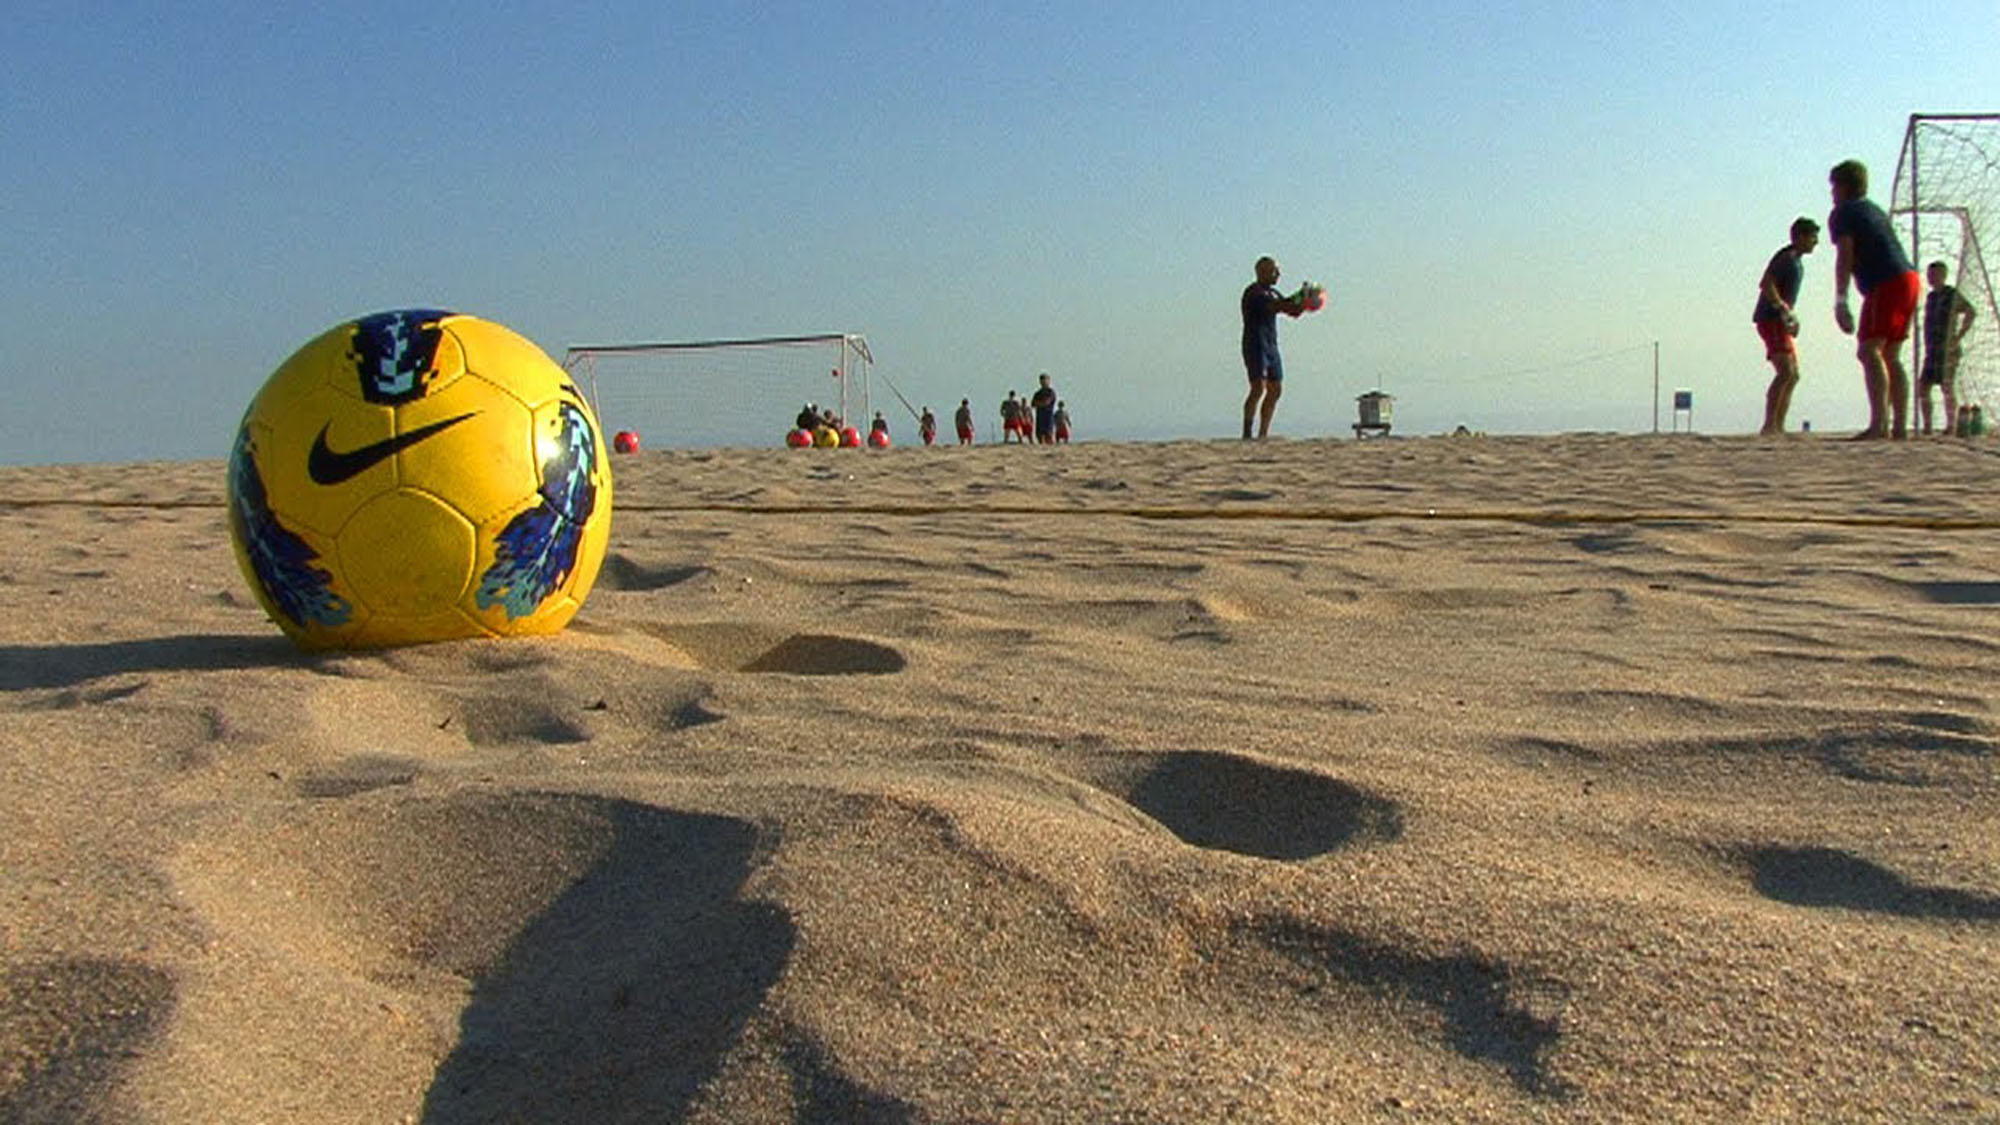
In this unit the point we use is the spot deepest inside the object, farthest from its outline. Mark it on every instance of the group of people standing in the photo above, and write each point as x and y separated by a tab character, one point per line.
1868	254
1042	418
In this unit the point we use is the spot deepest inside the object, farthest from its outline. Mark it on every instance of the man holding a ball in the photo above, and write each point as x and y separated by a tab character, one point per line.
1261	305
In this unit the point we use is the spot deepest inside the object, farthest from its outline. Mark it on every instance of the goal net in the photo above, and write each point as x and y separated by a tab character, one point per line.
723	393
1948	192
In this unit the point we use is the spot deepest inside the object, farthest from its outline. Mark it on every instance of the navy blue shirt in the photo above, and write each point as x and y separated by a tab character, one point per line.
1787	271
1878	255
1260	320
1938	307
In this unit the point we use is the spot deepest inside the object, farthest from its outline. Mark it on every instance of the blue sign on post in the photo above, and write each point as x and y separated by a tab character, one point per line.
1683	403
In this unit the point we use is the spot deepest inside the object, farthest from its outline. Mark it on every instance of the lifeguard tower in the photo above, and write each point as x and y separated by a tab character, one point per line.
1376	412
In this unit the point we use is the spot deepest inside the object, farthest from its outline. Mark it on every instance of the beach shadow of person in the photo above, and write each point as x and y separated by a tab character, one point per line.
619	1001
31	667
70	1028
1828	877
825	1095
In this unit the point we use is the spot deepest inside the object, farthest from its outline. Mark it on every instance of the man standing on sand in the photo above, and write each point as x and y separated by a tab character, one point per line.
963	421
1261	305
1869	254
1777	320
1948	317
1044	405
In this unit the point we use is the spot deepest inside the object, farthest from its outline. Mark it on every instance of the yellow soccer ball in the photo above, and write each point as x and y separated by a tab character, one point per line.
419	476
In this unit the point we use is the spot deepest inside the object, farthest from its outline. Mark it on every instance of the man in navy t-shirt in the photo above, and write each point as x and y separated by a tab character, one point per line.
1261	305
1869	253
1777	321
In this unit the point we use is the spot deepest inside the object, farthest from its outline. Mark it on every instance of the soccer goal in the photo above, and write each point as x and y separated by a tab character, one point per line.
1948	190
723	393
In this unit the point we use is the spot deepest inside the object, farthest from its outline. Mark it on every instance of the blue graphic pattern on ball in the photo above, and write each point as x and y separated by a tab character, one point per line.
537	549
395	353
283	561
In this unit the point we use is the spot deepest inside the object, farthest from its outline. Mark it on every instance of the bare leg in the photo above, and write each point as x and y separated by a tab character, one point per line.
1250	405
1272	390
1924	408
1875	382
1899	387
1778	399
1950	388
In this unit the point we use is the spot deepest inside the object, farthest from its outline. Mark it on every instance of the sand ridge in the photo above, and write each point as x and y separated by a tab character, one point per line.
1577	778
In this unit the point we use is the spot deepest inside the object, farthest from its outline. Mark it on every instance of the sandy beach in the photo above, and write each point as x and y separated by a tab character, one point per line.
1575	779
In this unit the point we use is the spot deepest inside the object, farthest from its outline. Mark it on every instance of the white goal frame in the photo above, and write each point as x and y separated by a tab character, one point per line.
1970	274
847	360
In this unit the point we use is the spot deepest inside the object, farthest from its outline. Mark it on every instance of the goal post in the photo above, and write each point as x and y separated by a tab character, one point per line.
1948	191
723	393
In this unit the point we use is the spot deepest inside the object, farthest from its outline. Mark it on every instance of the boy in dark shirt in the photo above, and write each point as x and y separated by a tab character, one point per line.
1948	317
1777	320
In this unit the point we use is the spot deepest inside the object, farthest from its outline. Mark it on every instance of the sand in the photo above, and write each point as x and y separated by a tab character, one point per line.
1578	778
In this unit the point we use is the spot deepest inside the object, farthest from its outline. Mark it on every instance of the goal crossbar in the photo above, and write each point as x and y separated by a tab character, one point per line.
852	339
725	392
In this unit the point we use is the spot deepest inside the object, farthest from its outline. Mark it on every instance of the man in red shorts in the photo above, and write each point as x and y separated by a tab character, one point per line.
1869	253
1777	321
963	421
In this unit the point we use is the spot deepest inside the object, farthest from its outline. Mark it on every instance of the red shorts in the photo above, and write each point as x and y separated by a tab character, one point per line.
965	433
1062	433
1777	341
1887	309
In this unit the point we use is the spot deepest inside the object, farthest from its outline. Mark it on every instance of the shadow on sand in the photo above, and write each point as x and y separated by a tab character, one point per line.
1827	877
1274	811
619	1001
32	667
68	1028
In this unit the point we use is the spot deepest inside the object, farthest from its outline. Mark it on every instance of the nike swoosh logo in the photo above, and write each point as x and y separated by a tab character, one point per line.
327	467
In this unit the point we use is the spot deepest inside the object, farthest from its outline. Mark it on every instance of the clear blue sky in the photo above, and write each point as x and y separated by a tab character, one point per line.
986	191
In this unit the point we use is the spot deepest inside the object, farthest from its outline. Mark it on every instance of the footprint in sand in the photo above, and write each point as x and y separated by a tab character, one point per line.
1274	812
1831	878
748	648
363	773
622	572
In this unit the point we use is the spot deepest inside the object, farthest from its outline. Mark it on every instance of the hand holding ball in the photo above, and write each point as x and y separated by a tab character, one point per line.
1311	296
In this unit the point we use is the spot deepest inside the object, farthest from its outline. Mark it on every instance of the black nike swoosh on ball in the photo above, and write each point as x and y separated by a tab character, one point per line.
327	467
